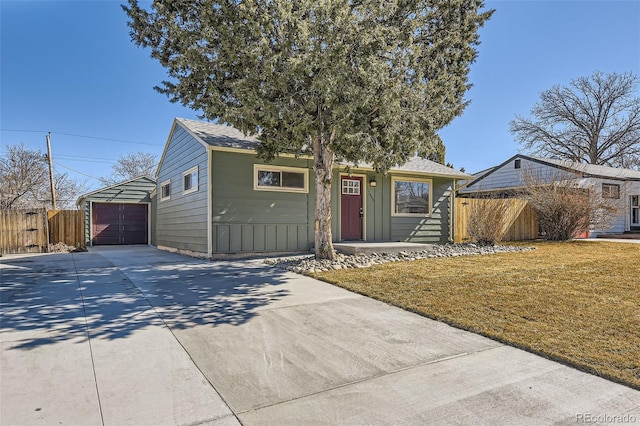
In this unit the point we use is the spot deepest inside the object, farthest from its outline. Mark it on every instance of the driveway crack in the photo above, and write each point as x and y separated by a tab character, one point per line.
86	325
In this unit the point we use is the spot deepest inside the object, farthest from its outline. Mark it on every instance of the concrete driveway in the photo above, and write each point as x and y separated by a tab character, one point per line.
133	335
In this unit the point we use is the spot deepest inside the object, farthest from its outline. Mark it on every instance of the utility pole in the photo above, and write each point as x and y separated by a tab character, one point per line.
53	188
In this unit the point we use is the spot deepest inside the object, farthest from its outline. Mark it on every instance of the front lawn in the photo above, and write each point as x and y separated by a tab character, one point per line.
576	302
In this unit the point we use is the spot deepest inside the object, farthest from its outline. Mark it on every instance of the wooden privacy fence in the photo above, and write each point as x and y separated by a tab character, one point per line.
23	231
66	226
521	221
31	230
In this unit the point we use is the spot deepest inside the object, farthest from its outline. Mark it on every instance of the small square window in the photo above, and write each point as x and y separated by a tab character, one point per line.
165	190
610	191
190	180
351	186
517	164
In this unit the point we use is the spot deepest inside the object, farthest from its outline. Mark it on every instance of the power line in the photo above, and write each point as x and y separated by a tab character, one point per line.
86	159
76	171
83	136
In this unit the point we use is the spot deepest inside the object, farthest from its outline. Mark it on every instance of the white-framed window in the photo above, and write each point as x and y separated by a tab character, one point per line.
190	180
278	178
165	190
610	190
410	196
351	186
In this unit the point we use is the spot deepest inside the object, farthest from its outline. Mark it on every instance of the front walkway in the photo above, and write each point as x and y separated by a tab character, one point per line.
138	336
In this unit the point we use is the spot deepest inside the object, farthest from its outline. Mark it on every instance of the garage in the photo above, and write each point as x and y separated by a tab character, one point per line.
119	224
120	214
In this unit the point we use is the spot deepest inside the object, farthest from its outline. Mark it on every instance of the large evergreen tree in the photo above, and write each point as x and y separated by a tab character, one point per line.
360	81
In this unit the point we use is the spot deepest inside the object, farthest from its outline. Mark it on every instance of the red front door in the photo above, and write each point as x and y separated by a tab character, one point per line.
351	208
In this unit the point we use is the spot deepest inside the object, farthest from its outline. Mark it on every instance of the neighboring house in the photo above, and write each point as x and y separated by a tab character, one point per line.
119	214
507	179
215	196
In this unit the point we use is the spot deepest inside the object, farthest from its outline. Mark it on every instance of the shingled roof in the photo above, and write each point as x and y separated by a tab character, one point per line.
223	136
218	134
591	169
424	166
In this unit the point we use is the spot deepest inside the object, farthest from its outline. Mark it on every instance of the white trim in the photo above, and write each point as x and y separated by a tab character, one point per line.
149	219
363	193
194	184
161	197
166	147
410	179
631	209
209	203
90	224
270	168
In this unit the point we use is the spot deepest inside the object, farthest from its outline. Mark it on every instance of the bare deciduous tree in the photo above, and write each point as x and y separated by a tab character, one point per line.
568	205
25	179
595	120
21	170
131	166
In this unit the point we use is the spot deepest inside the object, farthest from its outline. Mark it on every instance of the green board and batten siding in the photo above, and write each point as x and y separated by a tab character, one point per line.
244	219
247	220
181	220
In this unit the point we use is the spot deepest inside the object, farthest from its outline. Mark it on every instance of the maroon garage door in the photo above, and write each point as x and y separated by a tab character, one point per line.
115	223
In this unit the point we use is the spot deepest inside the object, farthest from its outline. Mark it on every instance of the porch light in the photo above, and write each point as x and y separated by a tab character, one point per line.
373	183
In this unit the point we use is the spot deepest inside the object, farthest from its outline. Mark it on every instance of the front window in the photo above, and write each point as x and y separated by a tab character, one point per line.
275	178
411	197
190	180
610	191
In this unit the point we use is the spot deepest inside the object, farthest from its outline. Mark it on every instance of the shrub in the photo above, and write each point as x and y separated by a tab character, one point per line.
566	205
487	220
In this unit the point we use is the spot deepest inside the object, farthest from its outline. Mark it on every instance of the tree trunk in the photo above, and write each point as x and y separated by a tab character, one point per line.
323	159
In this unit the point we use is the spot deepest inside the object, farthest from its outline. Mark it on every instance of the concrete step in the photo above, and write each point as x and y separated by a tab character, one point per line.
355	247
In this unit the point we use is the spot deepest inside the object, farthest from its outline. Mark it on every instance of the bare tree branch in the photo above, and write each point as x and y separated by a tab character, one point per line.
595	120
131	166
25	179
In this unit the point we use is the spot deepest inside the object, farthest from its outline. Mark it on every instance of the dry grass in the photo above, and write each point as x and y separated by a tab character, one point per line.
574	302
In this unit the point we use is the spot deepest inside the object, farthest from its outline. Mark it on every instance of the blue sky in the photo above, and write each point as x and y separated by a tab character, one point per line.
69	67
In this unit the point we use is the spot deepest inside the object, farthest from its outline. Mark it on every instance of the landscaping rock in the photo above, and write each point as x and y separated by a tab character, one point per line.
307	264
